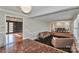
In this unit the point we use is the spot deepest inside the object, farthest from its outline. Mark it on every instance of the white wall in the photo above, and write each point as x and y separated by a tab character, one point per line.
2	30
33	26
76	28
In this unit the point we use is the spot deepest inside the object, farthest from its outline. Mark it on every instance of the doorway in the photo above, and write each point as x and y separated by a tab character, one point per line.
14	29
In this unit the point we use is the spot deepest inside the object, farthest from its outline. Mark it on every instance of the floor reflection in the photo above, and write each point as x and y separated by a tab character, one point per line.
12	42
10	38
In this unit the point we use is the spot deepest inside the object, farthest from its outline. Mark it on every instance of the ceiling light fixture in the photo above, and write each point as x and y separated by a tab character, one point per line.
26	9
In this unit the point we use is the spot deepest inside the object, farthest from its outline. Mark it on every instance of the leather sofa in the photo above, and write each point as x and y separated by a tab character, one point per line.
62	42
45	37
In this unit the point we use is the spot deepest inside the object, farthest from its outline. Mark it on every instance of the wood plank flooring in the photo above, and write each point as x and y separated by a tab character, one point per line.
11	40
28	46
18	45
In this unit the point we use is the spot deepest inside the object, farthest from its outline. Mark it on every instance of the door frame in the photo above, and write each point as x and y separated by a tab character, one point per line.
12	21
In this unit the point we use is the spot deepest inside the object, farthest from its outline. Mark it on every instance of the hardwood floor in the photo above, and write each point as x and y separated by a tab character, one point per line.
14	37
28	46
18	45
11	42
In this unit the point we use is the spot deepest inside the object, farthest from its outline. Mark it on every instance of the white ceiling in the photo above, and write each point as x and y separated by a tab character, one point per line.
42	10
64	15
47	13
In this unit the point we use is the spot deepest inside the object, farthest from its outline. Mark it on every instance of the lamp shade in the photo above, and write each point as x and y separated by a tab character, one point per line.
26	9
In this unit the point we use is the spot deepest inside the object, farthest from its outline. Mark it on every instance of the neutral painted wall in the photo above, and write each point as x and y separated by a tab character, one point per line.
33	26
2	30
76	28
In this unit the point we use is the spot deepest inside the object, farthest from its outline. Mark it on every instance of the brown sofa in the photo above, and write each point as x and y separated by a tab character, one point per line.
44	34
62	42
62	34
45	37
